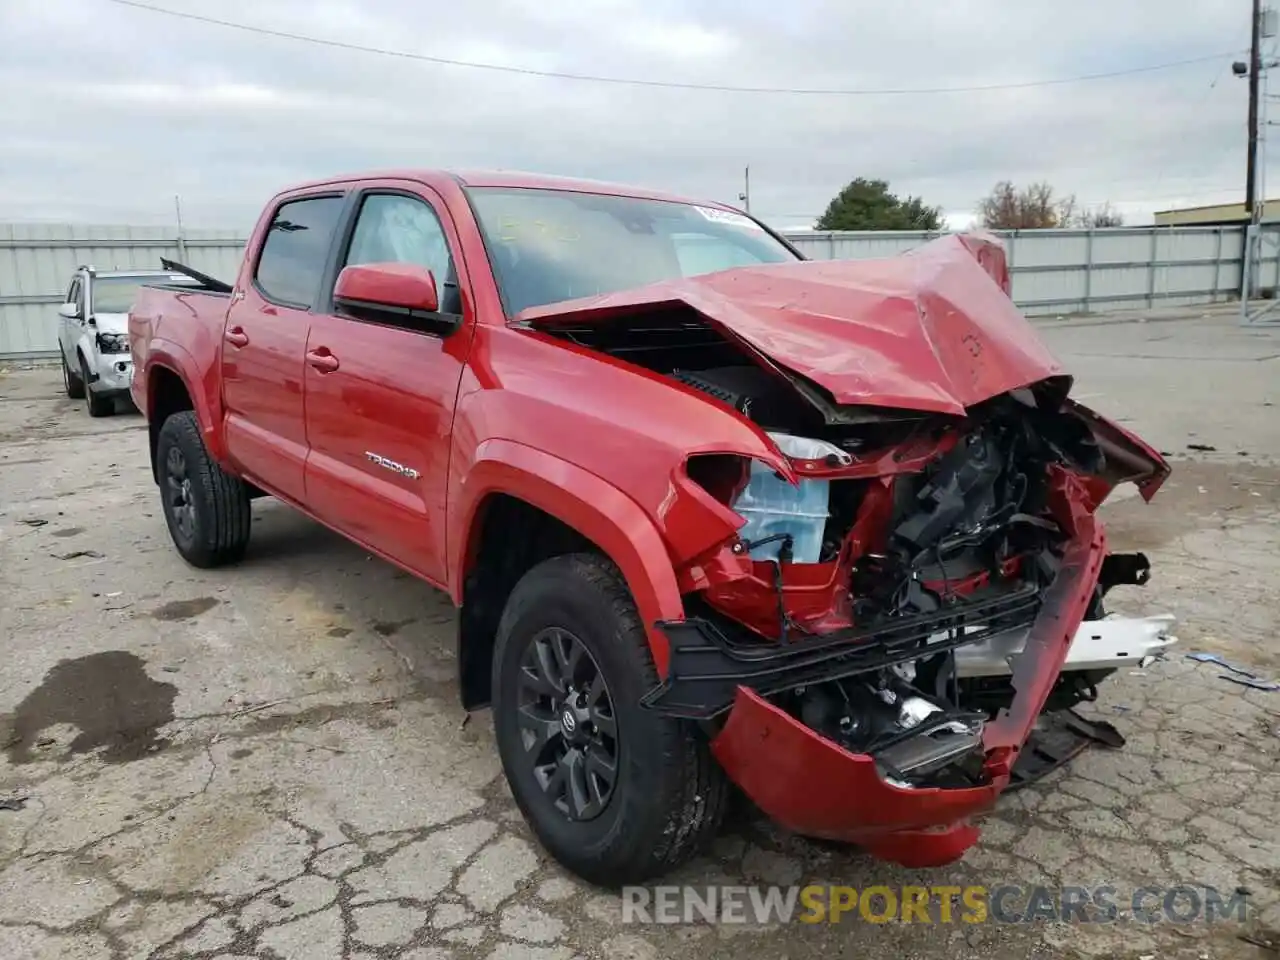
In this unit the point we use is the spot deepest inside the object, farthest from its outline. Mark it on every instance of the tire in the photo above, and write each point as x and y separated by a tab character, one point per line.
668	794
97	406
206	508
71	383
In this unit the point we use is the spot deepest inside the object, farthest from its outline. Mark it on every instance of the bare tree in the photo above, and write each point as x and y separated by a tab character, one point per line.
1008	207
1000	208
1105	216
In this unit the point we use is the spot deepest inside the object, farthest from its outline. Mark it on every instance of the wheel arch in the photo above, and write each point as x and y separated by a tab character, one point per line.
518	506
169	387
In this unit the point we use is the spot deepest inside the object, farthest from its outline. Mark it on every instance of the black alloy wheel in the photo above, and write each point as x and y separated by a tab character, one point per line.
567	724
205	508
614	791
177	491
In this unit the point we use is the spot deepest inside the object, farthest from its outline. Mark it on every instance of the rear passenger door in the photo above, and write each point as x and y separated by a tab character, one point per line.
265	342
380	404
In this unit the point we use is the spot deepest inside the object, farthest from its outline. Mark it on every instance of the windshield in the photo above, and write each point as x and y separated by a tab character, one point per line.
116	294
552	245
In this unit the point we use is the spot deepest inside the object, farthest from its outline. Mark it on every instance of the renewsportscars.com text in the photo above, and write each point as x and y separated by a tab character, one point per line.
1005	903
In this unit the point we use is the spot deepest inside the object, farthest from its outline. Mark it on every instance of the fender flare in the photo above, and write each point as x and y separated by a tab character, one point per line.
205	397
594	508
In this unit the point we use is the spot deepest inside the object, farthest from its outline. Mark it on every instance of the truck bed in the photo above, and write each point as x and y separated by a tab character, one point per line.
169	319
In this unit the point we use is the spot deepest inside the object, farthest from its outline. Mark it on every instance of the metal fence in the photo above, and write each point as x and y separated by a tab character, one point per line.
37	262
1085	271
1054	271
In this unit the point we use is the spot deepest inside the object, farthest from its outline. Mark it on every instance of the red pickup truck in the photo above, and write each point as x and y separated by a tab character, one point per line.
711	512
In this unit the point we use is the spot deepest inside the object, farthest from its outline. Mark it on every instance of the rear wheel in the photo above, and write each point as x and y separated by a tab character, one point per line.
206	509
71	383
97	406
615	792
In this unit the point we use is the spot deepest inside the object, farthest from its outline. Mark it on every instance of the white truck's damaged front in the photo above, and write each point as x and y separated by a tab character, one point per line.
899	612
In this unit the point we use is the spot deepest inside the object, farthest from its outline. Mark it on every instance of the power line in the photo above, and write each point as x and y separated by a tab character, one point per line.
666	84
1199	106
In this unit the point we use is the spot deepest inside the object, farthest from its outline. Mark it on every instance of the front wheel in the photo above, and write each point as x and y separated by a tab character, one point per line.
71	383
206	508
615	792
98	406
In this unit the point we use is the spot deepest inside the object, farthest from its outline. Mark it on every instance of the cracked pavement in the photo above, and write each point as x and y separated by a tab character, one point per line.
269	760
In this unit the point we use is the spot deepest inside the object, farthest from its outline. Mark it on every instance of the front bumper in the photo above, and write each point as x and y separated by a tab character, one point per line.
814	787
706	668
113	373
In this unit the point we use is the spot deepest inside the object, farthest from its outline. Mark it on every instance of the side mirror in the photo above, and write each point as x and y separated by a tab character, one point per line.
69	311
399	288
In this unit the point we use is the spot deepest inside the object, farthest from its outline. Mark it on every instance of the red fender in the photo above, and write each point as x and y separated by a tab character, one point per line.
206	396
600	512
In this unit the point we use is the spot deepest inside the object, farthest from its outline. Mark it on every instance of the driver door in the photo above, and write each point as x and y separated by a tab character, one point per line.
381	390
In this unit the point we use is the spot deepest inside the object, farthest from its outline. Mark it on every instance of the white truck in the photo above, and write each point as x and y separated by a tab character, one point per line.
93	333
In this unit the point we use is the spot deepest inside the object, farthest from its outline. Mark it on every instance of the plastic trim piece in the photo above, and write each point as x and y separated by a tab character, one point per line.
706	667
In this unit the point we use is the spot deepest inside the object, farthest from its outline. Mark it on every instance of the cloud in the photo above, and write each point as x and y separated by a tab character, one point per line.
118	109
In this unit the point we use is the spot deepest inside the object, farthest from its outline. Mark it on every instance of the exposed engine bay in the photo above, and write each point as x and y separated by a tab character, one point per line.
855	598
975	522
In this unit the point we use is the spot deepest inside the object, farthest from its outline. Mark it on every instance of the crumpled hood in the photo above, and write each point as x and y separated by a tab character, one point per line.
932	329
111	323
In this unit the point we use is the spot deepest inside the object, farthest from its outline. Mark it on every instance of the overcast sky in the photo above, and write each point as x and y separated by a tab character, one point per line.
108	111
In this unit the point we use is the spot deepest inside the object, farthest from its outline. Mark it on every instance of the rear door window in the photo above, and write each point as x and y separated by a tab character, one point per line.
293	255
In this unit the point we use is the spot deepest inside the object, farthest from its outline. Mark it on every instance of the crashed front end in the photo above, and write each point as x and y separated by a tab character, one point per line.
880	688
911	590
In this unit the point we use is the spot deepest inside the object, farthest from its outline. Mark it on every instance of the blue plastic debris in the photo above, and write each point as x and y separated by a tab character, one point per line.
1214	658
1242	676
1268	685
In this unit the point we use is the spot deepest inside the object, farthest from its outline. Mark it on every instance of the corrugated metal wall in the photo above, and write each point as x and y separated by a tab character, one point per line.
1054	271
1069	271
37	261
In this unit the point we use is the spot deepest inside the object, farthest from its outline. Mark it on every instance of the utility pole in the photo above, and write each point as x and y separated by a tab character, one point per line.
1258	71
1255	71
745	195
182	241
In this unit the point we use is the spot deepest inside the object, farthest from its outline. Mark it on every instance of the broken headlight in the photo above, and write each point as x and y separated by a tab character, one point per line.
775	510
112	342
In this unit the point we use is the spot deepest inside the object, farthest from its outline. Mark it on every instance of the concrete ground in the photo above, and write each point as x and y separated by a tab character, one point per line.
269	760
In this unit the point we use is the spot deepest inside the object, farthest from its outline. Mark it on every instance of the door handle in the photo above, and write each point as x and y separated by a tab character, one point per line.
322	360
237	337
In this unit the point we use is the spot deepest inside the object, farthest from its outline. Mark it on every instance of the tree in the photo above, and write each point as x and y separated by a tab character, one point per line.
1105	216
868	205
1033	207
